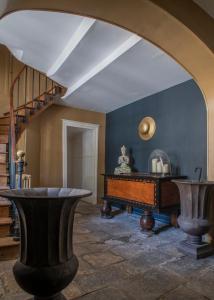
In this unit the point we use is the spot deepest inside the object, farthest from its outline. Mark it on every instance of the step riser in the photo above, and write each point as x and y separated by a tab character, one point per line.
5	121
4	212
4	230
3	147
3	169
3	181
4	129
3	158
9	252
4	139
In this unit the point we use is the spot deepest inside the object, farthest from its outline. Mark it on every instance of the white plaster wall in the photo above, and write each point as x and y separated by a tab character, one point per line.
81	160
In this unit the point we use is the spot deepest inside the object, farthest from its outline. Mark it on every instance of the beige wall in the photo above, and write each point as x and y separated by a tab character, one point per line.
9	68
44	144
32	149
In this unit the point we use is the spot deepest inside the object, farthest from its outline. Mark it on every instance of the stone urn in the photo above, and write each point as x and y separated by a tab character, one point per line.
47	263
195	197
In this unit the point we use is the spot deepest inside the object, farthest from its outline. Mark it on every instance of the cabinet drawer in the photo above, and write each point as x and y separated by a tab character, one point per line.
139	191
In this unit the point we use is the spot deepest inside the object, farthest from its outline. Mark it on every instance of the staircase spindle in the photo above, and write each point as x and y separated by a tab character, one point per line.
39	84
33	83
46	83
18	91
26	72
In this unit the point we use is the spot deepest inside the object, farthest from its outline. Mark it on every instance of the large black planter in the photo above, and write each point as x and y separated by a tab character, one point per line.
47	263
195	197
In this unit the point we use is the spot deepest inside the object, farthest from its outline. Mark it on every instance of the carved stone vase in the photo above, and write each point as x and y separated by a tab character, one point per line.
195	197
47	263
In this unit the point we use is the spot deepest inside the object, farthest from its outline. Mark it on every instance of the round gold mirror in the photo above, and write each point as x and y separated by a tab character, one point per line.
146	128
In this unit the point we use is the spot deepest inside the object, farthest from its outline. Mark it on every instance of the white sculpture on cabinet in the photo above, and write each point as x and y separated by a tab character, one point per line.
123	161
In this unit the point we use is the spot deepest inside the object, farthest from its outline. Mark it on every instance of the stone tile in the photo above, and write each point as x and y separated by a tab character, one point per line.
101	235
81	230
182	293
9	284
103	259
2	292
203	284
73	291
80	249
97	247
22	296
171	250
114	242
84	267
102	278
128	251
146	261
150	285
84	238
106	294
6	265
188	267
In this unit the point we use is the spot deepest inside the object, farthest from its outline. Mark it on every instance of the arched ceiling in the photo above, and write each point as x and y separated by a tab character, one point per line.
103	66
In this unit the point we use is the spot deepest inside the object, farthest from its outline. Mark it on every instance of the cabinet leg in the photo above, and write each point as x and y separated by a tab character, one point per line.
129	209
106	210
147	220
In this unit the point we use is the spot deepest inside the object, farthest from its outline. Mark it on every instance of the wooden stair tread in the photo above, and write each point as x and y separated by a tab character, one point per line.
30	107
4	174
3	188
8	242
4	138
4	202
39	100
9	249
4	135
5	221
4	117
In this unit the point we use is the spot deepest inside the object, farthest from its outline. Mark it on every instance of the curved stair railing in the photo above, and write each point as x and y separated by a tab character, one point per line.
31	93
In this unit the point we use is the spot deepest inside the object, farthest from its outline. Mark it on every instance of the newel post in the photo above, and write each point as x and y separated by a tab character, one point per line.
20	167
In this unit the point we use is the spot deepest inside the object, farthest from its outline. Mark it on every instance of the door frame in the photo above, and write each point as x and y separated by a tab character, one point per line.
71	123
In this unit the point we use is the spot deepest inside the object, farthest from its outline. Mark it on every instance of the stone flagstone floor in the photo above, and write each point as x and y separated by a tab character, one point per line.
117	262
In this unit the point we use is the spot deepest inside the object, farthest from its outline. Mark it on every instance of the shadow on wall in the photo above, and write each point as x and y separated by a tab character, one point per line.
180	115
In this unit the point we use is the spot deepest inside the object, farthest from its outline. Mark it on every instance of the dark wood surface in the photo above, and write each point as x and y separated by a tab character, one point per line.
143	190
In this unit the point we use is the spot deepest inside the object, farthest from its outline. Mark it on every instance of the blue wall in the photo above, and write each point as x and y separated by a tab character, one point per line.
180	116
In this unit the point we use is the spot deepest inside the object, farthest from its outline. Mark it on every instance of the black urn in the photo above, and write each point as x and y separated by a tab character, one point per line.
47	263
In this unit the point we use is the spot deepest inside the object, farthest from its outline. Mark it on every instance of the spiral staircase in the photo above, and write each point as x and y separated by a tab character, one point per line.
31	93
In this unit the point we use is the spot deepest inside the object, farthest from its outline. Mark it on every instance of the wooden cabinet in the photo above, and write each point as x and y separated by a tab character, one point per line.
153	193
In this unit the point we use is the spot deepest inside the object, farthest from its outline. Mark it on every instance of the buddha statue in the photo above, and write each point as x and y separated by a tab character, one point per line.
123	161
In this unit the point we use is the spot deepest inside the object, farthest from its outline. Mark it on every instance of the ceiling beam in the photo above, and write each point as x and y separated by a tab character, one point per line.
75	39
124	47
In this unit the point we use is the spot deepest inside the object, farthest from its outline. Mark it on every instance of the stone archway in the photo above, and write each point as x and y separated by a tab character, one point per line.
166	24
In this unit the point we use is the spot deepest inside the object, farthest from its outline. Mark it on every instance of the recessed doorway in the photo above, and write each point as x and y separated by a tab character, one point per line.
80	156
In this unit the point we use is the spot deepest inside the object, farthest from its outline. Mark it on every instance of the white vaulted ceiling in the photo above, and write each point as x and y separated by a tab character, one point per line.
103	66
